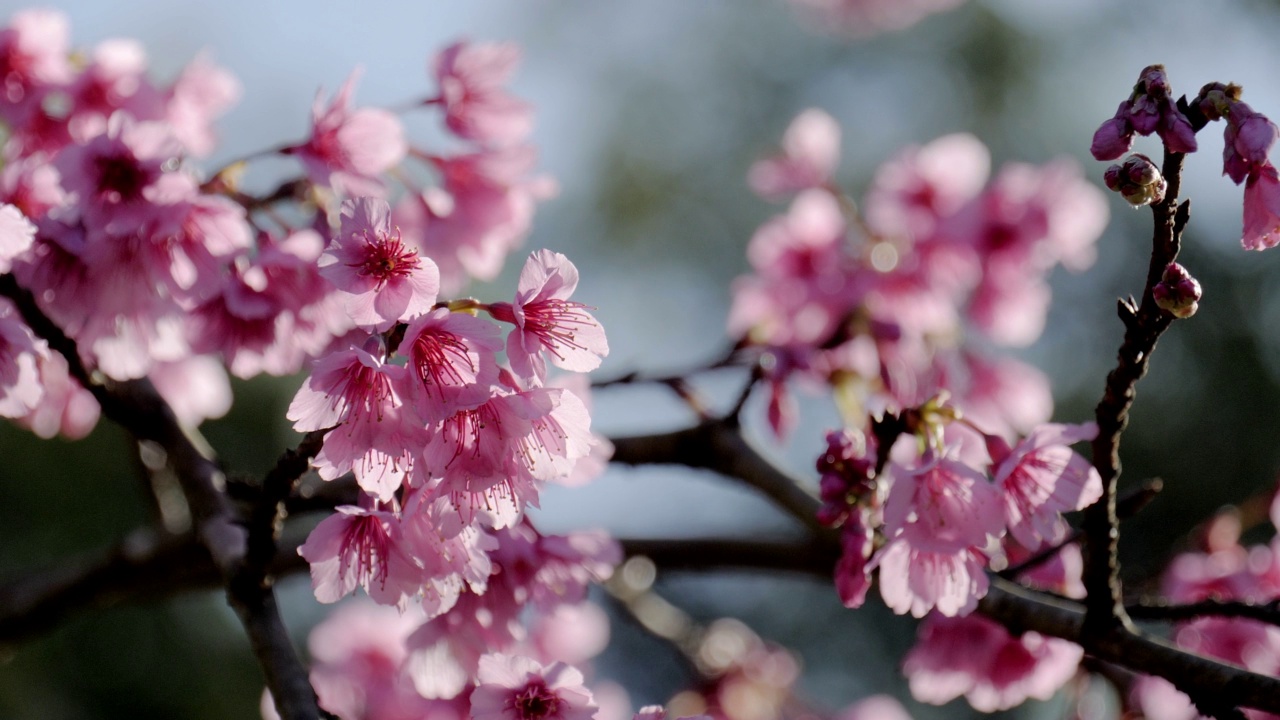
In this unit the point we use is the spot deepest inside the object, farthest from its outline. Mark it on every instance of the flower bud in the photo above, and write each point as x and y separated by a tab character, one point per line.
1138	181
1177	292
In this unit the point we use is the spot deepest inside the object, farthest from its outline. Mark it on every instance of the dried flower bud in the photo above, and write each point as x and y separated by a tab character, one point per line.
1138	181
1177	292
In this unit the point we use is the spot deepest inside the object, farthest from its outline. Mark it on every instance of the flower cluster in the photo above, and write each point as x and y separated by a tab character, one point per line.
888	306
156	270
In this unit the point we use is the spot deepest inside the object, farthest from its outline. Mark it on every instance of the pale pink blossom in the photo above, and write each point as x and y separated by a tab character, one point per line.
354	548
912	193
479	214
354	393
948	501
864	18
810	151
1042	477
452	362
383	278
17	234
476	105
65	408
115	80
978	658
196	388
570	633
202	92
918	575
34	58
520	688
349	148
546	320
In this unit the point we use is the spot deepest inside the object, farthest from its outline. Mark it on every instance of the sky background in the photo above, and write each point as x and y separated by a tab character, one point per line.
649	113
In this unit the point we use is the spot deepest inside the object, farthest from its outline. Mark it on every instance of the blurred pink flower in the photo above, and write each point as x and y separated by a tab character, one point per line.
476	105
810	151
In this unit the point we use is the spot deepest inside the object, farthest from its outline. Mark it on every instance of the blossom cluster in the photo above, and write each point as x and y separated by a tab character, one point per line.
887	304
444	412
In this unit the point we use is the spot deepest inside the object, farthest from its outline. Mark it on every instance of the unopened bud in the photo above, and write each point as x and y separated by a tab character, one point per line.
1138	181
1215	99
1177	292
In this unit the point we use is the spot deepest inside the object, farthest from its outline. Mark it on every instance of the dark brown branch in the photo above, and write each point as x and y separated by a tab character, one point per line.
1143	326
136	406
719	446
1268	612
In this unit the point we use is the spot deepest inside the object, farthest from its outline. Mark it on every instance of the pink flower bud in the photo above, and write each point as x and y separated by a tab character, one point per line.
1177	292
1138	181
1114	137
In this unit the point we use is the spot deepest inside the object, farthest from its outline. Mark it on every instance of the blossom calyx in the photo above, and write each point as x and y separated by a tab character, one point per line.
1177	292
1138	181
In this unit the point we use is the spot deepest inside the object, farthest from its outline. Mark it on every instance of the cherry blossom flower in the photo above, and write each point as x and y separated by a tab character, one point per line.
356	547
1261	209
451	362
383	278
548	321
810	150
1042	477
348	148
202	92
978	658
520	688
476	105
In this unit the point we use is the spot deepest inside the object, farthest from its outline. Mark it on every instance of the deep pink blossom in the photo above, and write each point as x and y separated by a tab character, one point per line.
520	688
349	148
384	279
1261	209
1248	138
114	81
476	105
34	59
548	321
810	151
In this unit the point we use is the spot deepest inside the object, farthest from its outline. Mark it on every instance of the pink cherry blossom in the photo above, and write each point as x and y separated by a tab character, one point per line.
202	92
476	105
1261	209
548	321
34	52
949	501
864	18
876	707
451	362
920	186
978	658
354	548
810	150
383	278
520	688
918	575
348	148
355	391
16	235
1043	477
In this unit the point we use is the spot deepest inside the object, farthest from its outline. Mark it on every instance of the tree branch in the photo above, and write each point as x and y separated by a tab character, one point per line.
136	406
1143	326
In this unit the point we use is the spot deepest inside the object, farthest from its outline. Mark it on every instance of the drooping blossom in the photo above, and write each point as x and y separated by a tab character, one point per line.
938	518
476	104
1041	477
547	321
520	688
810	150
383	278
349	148
1247	141
1261	209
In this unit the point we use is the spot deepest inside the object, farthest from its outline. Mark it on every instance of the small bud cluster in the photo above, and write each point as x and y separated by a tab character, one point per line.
1177	292
1138	181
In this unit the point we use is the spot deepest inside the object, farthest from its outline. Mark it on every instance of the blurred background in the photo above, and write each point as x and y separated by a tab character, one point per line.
649	114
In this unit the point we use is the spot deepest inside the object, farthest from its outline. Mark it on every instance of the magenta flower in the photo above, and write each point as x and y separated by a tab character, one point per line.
546	320
519	688
810	150
1042	477
1248	138
476	105
383	278
34	52
1261	209
348	148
